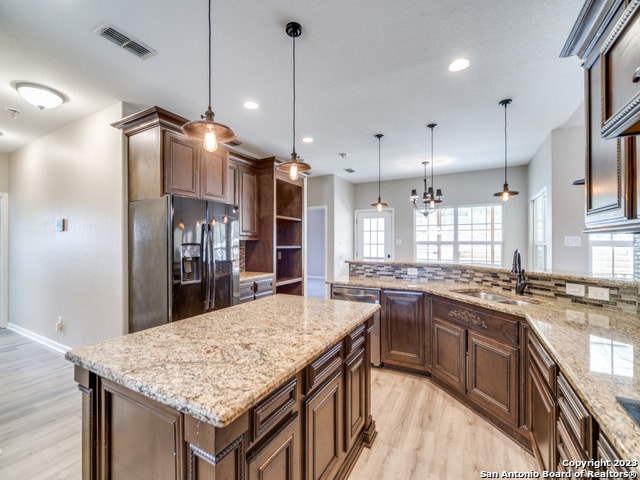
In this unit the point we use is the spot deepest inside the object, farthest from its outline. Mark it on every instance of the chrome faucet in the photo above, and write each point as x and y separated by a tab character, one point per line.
516	269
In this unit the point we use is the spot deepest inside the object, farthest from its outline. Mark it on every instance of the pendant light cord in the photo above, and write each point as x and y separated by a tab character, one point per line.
379	138
209	54
432	183
293	153
505	142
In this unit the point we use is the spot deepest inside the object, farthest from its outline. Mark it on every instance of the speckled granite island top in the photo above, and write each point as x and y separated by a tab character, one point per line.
598	350
217	365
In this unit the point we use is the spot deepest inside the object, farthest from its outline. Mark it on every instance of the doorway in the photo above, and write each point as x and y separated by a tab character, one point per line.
316	251
374	234
4	260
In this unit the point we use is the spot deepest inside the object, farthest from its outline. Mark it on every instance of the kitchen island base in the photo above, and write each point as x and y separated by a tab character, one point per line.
312	426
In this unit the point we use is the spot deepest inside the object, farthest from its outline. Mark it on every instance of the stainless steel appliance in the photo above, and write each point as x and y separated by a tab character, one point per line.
184	259
366	295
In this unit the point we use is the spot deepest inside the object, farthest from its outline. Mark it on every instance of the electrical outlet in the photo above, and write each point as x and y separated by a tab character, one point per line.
574	289
412	272
598	293
59	325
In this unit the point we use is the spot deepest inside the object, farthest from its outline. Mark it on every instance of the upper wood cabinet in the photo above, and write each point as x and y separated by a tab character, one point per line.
162	160
621	75
248	200
611	175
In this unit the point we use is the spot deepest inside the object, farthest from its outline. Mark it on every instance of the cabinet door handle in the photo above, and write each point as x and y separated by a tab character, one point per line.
636	75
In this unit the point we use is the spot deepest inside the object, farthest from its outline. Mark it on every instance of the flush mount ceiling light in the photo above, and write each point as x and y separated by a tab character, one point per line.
293	167
39	95
428	197
458	65
250	105
206	130
379	204
505	193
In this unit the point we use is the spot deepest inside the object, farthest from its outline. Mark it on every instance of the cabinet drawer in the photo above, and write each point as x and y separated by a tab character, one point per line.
268	414
489	323
324	366
574	413
246	291
356	340
566	442
607	452
621	76
263	287
540	357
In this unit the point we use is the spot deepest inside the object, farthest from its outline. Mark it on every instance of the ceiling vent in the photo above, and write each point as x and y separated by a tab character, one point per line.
123	40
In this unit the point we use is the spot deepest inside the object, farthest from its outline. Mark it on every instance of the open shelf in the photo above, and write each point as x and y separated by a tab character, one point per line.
288	263
294	287
289	199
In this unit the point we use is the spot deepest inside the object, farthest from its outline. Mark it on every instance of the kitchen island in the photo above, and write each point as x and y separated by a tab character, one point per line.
275	388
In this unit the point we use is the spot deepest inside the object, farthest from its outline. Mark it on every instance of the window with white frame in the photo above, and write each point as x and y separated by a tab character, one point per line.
540	233
464	234
611	255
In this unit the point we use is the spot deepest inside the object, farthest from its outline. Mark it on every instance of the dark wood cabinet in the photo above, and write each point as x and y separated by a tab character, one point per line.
279	458
181	165
254	289
355	397
280	222
162	160
475	354
214	173
611	175
248	196
402	329
492	376
448	354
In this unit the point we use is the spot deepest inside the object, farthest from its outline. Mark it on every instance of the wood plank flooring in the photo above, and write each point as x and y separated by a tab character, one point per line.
423	433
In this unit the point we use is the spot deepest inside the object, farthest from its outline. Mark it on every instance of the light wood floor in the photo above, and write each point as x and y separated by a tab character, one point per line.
422	432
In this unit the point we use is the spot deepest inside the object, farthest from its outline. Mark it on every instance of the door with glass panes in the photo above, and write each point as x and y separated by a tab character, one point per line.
374	233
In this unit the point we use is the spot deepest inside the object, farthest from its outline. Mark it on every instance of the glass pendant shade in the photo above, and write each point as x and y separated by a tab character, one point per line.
294	167
206	130
505	194
379	204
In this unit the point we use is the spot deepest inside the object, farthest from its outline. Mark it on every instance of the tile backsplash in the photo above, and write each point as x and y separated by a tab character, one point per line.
622	295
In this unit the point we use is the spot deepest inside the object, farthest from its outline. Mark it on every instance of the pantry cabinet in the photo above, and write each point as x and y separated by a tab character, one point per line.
606	37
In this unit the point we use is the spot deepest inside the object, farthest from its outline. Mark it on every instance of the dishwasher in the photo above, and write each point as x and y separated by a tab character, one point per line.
364	295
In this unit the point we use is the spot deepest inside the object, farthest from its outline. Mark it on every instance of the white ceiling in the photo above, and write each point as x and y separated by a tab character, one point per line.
363	67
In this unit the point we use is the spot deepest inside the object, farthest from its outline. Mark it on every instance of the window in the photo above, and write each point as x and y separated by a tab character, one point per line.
465	234
373	235
540	233
611	255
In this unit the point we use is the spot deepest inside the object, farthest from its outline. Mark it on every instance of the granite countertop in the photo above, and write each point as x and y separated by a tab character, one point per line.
254	275
597	349
217	365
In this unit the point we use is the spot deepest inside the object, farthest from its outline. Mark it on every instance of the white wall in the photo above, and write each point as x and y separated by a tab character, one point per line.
316	234
337	195
568	150
539	179
459	189
76	173
4	172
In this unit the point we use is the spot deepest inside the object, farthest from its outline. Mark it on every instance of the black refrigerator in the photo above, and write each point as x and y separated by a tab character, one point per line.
184	259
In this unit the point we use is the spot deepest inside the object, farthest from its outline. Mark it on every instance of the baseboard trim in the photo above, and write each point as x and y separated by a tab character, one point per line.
36	337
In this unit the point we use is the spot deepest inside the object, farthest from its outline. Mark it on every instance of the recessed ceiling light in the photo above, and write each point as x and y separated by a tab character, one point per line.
39	95
251	105
458	64
307	140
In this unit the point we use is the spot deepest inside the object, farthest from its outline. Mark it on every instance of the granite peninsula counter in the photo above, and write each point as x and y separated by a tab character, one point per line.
596	349
233	380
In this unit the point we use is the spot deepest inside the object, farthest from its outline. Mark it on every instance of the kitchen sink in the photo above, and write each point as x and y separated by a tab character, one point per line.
494	297
632	407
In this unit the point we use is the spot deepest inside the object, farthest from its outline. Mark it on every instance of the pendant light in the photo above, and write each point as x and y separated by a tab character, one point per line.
429	198
293	167
505	193
413	198
379	204
206	130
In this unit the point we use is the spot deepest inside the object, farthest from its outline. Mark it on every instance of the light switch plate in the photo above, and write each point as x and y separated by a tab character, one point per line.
574	289
598	293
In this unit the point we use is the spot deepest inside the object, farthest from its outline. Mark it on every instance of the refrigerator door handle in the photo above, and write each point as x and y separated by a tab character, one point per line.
205	264
212	271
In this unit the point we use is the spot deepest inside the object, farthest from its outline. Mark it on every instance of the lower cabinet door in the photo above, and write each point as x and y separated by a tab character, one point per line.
324	420
278	459
542	407
492	376
355	398
448	353
402	329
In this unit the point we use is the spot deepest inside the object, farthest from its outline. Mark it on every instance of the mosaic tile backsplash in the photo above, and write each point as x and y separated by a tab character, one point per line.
623	296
